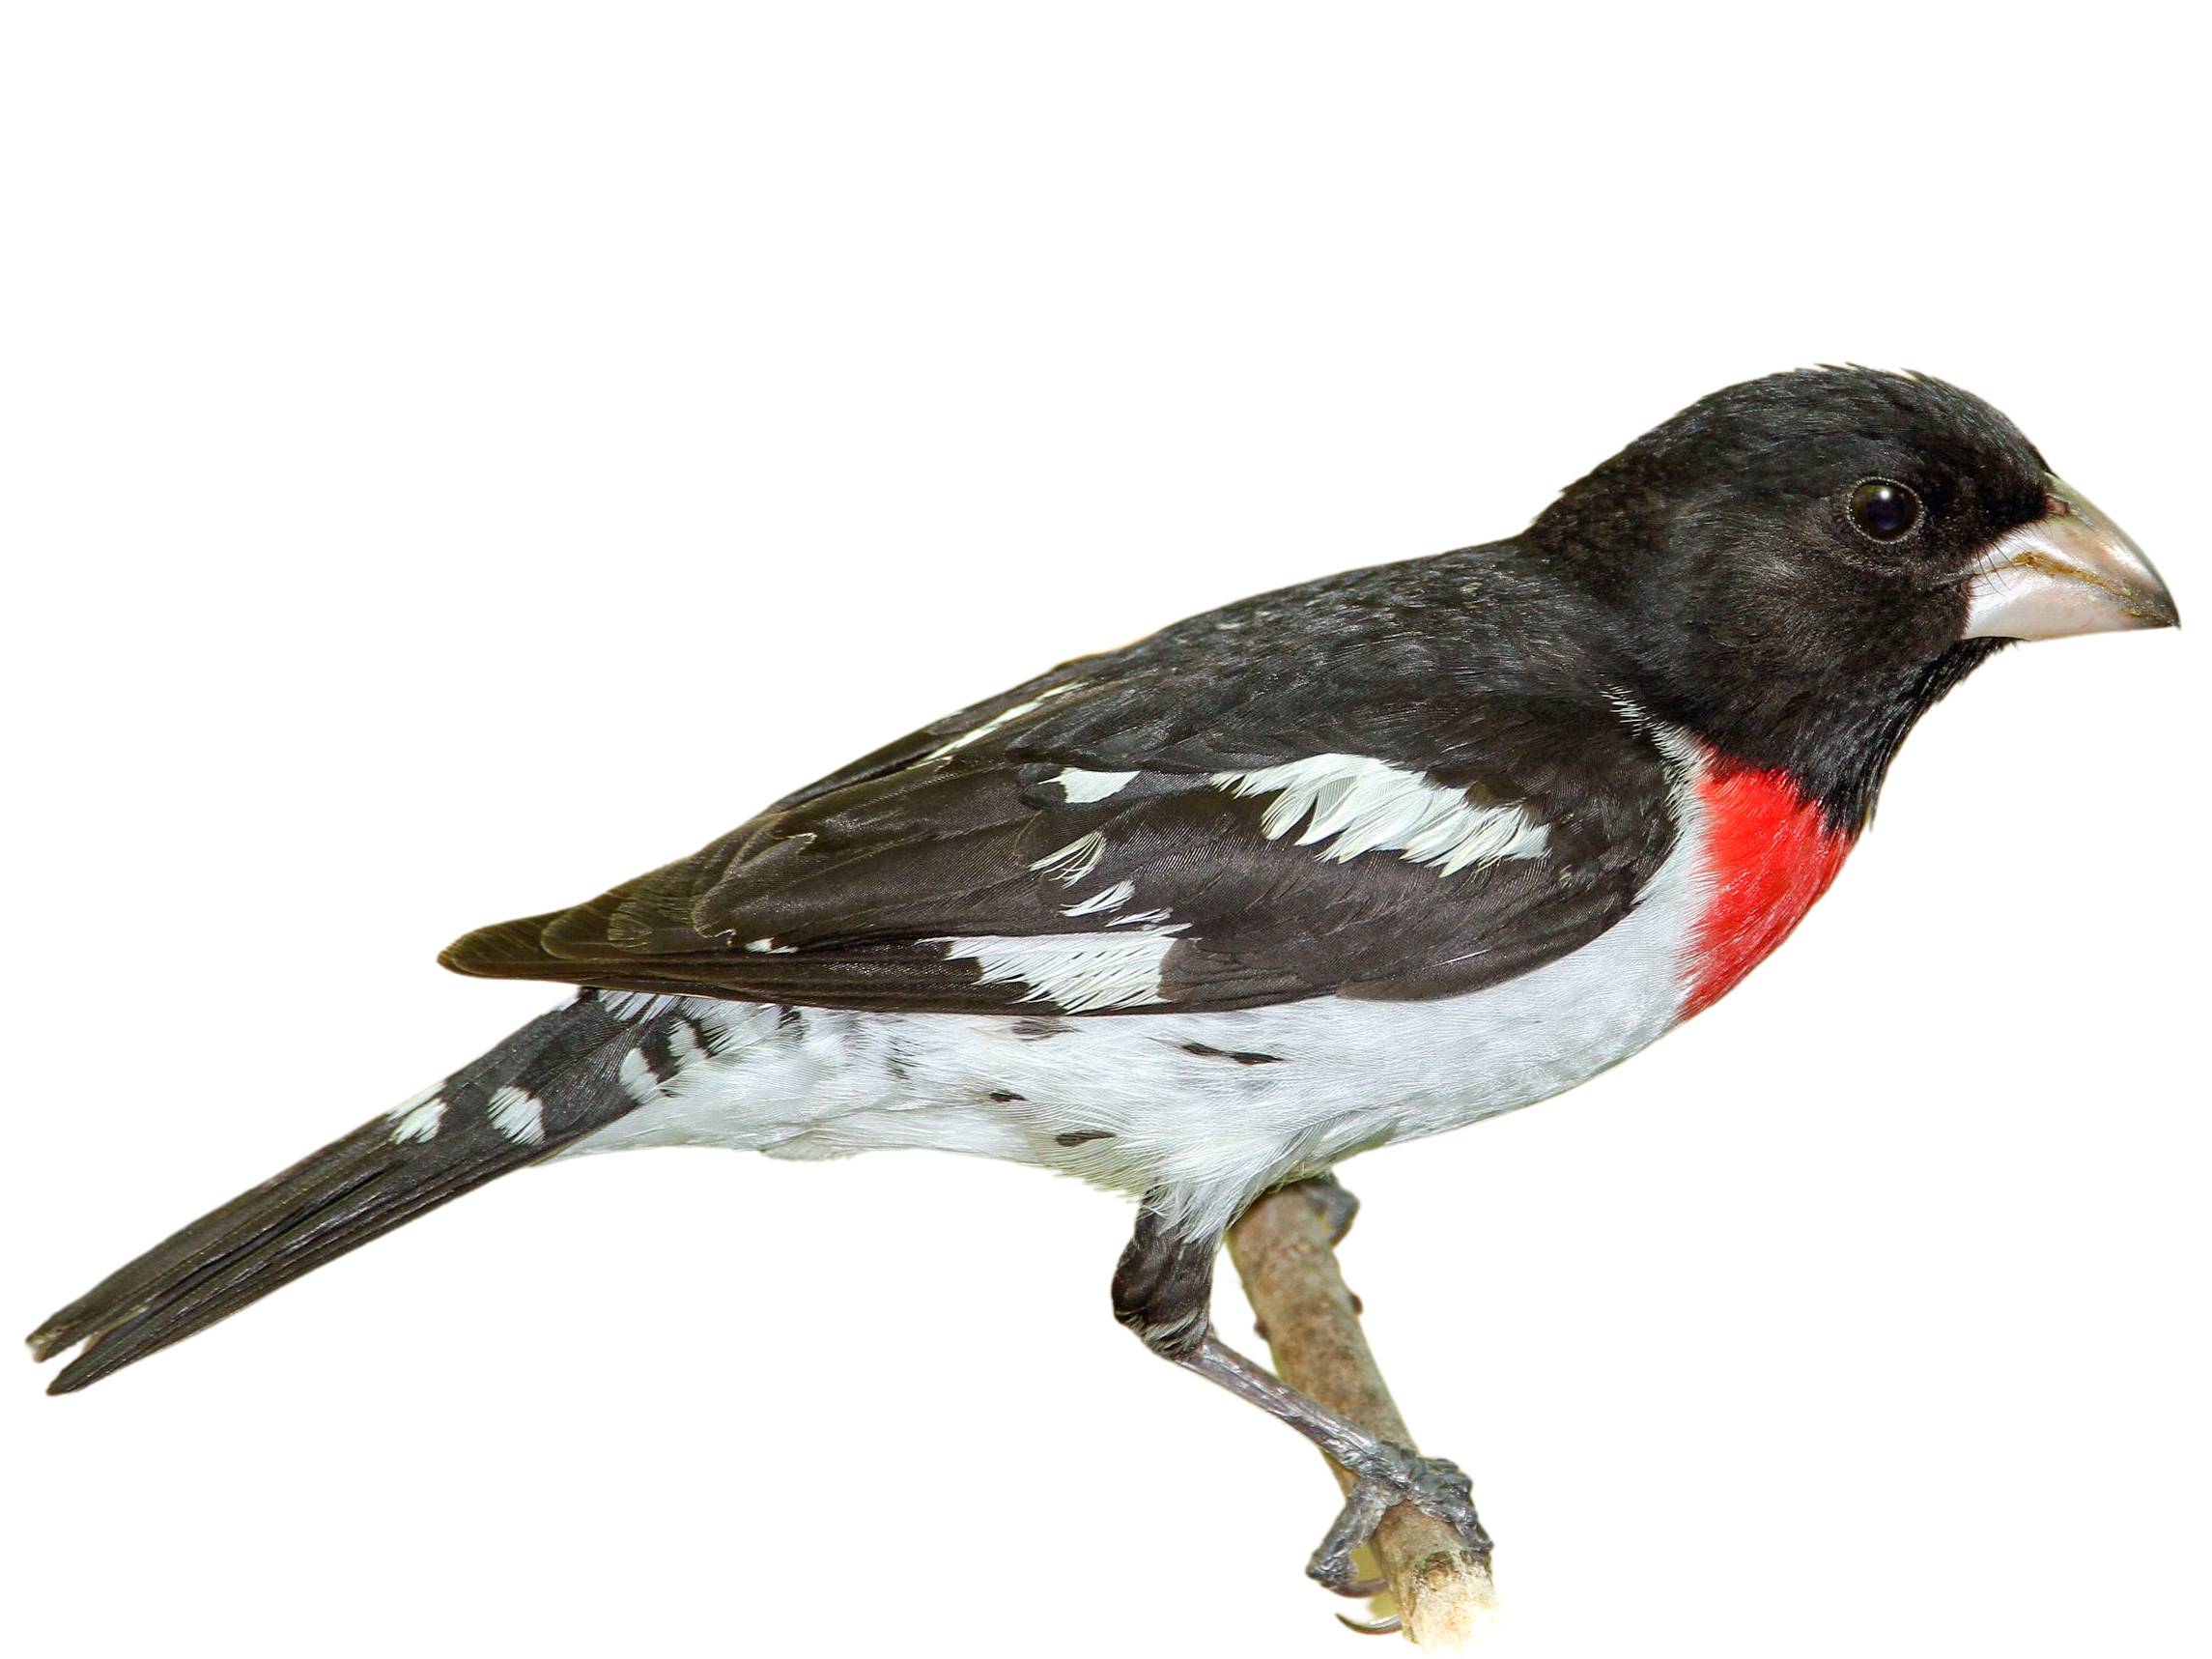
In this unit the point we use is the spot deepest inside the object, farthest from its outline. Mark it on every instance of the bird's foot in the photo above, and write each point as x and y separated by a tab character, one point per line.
1390	1475
1328	1195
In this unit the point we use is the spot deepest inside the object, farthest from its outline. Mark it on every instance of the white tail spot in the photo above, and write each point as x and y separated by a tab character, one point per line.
519	1115
417	1119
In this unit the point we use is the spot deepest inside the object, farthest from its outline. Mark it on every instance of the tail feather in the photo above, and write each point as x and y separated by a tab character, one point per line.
550	1083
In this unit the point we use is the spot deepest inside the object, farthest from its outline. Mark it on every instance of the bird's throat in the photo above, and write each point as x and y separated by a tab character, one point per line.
1770	851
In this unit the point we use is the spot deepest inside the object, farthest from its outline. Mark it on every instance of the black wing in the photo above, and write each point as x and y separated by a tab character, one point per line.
1358	787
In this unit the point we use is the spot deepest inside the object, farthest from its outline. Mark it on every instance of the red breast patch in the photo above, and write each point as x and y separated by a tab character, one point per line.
1769	855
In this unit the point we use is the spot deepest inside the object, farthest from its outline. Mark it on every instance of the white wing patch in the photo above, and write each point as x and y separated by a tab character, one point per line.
1140	918
1079	788
1080	972
1070	864
519	1115
1373	806
1105	899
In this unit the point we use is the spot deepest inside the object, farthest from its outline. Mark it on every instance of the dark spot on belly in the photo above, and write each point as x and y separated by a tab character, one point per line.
786	1017
1003	1095
1037	1030
1206	1052
1076	1137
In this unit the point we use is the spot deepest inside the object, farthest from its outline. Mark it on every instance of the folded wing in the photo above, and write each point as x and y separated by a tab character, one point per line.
1158	830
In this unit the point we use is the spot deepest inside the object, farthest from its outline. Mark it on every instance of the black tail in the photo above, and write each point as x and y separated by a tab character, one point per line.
554	1080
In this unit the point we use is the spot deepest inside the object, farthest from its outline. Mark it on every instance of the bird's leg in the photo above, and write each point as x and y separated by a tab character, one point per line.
1162	1290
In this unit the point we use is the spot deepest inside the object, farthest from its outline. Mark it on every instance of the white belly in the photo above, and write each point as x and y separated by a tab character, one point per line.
1124	1101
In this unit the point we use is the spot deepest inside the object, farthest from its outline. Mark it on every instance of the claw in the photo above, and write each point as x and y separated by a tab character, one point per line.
1359	1589
1363	1510
1381	1627
1395	1474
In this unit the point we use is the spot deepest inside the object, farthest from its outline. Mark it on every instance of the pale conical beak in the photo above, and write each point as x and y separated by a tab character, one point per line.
2072	571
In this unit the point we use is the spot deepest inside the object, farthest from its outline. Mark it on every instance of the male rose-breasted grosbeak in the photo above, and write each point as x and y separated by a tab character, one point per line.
1345	864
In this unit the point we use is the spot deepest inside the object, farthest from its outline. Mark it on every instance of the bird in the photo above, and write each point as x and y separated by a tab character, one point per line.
1354	862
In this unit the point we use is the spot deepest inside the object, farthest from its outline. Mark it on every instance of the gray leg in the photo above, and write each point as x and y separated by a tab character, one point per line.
1162	1290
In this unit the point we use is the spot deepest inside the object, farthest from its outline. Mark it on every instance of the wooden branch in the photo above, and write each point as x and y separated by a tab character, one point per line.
1282	1251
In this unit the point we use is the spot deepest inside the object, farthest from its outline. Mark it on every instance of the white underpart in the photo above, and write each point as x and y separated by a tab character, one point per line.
1068	864
999	720
1081	972
1079	788
1105	899
418	1118
1205	1131
1373	806
519	1115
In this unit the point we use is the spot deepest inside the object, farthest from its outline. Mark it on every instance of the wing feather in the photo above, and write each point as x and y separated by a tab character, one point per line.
1413	802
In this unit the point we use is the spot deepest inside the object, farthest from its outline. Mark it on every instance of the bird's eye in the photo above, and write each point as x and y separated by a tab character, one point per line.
1883	509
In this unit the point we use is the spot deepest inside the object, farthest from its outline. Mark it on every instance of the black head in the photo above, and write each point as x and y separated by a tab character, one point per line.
1802	564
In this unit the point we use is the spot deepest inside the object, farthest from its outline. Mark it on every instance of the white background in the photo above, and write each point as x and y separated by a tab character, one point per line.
457	456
